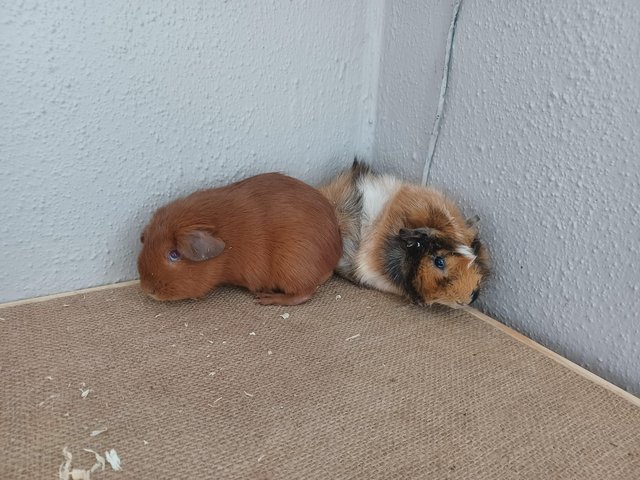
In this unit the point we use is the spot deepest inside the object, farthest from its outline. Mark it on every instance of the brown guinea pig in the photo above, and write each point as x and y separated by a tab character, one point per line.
272	234
405	239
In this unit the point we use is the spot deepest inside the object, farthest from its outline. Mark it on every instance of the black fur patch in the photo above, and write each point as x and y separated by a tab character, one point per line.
444	282
394	254
432	244
474	295
478	250
351	208
359	169
401	266
476	246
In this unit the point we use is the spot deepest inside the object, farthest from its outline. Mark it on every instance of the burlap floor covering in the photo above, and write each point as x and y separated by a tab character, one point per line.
358	386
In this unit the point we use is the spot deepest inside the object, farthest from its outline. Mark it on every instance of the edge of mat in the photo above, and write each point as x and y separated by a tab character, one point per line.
555	357
68	294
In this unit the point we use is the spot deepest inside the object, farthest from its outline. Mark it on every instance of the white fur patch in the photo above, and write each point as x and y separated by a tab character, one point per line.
368	275
466	252
376	193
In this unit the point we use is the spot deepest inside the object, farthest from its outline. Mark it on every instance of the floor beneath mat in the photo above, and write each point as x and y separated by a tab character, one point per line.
354	384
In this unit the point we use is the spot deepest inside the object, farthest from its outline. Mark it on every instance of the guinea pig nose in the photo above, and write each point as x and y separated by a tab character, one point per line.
474	295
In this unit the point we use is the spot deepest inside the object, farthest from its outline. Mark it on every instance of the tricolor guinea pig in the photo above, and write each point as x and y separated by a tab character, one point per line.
272	234
405	239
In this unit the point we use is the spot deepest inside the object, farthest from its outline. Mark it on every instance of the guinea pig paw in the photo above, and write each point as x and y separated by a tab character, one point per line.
265	298
268	298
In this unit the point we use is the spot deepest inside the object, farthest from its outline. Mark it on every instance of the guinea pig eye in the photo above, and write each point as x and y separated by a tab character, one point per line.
439	262
174	255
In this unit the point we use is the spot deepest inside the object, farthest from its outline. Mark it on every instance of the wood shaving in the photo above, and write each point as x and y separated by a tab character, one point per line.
85	393
66	305
260	457
145	442
352	338
212	374
64	472
113	459
210	341
252	333
49	377
338	297
248	394
95	433
48	398
158	315
2	318
99	460
269	352
285	315
80	474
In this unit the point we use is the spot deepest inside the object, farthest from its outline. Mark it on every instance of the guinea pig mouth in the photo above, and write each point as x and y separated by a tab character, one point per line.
150	291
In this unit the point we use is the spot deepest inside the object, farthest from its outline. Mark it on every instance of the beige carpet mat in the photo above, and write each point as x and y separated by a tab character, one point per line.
353	385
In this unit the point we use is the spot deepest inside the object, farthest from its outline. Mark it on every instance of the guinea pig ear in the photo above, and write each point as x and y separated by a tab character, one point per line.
473	221
411	236
199	245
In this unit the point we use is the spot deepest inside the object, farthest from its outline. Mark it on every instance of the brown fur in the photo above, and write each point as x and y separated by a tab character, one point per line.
338	192
280	240
345	200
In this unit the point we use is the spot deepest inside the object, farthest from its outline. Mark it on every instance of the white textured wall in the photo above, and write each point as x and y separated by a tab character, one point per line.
110	108
413	43
541	136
